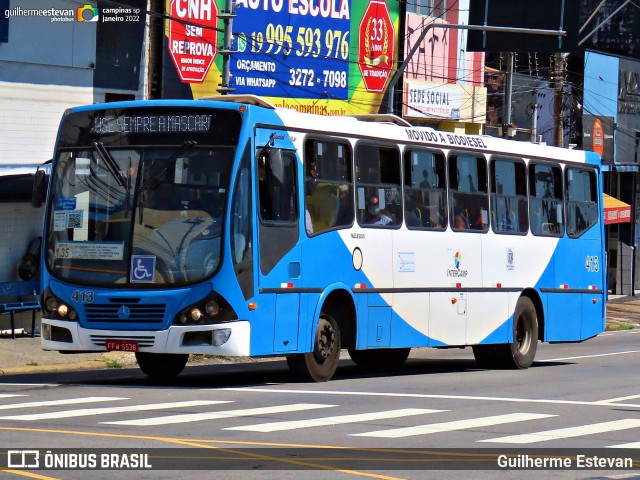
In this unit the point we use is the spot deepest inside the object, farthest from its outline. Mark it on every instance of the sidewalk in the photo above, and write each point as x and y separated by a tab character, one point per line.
24	355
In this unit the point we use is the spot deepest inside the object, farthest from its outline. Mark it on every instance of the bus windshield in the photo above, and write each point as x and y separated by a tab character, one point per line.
148	215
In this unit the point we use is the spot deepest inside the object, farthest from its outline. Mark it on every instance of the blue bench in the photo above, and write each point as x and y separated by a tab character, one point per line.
17	297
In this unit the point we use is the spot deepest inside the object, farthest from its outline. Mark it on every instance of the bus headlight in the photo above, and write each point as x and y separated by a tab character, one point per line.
51	304
212	308
209	310
57	309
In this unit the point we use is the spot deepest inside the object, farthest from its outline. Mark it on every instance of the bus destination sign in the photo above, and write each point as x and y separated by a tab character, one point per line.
193	123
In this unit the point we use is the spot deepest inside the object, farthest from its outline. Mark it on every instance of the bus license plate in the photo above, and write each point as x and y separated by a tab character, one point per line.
121	345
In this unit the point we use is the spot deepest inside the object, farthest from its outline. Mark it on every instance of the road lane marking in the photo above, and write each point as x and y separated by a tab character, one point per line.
424	395
569	432
84	412
29	474
65	401
453	425
11	395
337	420
197	417
564	359
626	445
619	399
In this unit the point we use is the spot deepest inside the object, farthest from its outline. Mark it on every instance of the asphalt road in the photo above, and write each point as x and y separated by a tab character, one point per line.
579	396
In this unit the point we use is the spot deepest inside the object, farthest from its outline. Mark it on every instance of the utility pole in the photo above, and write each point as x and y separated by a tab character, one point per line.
508	88
154	37
227	17
558	100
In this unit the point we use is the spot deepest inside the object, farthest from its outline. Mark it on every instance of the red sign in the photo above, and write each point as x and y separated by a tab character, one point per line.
598	137
193	38
615	211
377	46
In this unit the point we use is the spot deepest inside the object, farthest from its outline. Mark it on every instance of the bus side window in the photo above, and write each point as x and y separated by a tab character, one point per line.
508	196
328	185
378	176
546	206
424	190
277	187
582	203
469	202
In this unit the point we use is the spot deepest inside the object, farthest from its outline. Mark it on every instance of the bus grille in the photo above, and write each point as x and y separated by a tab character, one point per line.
143	340
135	313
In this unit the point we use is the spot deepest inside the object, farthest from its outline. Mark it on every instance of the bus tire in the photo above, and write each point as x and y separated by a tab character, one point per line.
522	350
161	366
380	357
320	364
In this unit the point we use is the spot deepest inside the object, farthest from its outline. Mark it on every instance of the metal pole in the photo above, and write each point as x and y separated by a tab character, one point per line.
227	17
534	123
396	76
506	114
559	100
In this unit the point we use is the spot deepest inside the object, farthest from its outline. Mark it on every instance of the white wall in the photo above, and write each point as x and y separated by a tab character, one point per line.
20	224
29	119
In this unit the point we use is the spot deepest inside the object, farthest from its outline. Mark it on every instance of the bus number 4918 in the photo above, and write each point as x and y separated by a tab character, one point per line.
592	264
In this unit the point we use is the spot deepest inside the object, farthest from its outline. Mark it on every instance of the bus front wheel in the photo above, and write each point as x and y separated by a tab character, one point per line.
161	366
320	364
522	350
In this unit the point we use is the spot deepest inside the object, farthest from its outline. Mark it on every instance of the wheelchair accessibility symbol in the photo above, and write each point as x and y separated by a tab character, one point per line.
143	268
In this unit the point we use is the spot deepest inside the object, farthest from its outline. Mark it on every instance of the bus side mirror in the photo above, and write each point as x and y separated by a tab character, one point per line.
39	188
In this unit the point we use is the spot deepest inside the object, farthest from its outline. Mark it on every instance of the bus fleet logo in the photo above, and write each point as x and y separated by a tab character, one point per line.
457	272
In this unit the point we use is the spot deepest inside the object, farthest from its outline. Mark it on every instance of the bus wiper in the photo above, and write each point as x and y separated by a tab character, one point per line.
156	178
110	162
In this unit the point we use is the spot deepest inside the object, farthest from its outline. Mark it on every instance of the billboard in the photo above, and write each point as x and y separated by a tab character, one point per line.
539	15
628	135
442	81
323	56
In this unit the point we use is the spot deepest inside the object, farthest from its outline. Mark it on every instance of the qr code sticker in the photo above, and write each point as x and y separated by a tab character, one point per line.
74	219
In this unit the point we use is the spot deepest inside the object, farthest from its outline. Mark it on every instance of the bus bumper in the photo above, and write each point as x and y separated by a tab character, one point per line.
232	339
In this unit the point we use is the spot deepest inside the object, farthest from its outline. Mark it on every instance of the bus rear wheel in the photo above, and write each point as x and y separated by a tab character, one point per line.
161	366
320	364
521	352
380	357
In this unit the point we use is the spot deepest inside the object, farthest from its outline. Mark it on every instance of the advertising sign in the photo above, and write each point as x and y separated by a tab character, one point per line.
193	37
322	56
376	40
433	100
295	48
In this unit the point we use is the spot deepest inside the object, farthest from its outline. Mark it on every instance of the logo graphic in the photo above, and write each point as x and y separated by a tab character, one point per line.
87	13
457	259
23	458
143	268
510	260
124	312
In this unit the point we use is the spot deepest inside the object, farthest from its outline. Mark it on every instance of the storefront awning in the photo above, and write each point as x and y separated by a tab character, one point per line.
615	211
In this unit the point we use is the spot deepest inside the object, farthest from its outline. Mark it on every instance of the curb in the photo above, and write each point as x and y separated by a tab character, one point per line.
56	367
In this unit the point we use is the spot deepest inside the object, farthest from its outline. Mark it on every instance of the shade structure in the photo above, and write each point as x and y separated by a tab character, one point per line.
615	211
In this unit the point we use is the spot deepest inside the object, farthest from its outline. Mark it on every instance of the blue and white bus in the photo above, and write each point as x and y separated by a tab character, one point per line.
226	226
